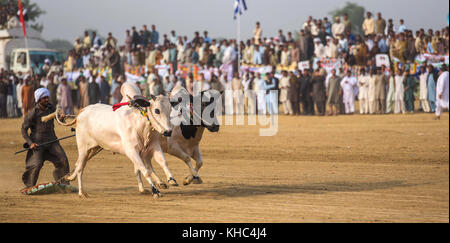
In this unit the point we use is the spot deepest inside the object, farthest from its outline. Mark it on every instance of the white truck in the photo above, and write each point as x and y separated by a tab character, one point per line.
15	56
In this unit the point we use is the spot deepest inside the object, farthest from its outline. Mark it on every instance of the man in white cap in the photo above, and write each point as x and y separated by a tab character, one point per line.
319	49
42	132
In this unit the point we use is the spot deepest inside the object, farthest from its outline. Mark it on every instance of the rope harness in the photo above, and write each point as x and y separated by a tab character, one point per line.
135	104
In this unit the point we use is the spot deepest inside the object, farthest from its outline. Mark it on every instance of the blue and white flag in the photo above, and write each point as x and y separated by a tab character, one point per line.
239	5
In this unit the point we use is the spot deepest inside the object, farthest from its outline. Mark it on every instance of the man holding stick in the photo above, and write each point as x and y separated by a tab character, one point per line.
42	132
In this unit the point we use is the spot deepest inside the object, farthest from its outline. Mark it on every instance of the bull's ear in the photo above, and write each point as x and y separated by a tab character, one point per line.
152	97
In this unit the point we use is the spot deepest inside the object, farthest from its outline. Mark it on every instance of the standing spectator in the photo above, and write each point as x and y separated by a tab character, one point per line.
399	93
3	97
333	92
348	84
237	87
260	89
293	93
173	37
135	39
303	46
96	40
87	41
114	61
206	38
372	91
128	42
368	25
284	93
272	100
93	91
363	96
442	92
338	27
111	42
10	98
390	100
52	87
381	25
318	88
347	23
402	28
27	96
306	93
380	91
78	45
168	85
431	87
65	94
257	33
410	85
84	94
327	26
117	96
105	90
19	86
423	89
156	88
155	35
390	28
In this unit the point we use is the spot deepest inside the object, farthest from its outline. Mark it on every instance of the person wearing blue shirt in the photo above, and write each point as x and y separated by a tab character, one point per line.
327	26
431	85
206	38
271	99
155	35
382	44
402	27
257	56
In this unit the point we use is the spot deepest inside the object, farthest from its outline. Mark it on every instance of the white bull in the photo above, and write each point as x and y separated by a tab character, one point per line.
185	140
126	131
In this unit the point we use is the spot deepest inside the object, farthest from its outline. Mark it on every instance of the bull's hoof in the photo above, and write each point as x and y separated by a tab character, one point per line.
197	180
83	195
188	180
155	193
172	182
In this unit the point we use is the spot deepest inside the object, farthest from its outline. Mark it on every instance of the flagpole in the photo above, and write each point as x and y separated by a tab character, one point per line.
238	43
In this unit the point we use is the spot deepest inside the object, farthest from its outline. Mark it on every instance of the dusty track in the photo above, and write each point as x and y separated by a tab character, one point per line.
390	168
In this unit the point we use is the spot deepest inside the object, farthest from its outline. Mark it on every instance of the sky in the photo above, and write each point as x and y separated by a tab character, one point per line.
67	19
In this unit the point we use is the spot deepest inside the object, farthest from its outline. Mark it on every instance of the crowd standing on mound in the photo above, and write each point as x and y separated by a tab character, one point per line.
325	66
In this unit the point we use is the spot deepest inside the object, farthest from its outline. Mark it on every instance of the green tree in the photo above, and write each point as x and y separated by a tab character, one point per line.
355	14
63	46
33	10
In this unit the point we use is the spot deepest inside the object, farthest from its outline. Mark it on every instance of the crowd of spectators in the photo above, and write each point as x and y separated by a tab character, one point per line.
96	67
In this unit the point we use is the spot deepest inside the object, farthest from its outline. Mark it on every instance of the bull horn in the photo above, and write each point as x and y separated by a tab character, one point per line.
49	117
54	115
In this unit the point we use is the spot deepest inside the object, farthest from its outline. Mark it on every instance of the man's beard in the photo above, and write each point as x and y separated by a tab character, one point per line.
46	105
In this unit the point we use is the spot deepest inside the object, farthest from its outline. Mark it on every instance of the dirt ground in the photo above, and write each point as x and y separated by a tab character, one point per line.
389	168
